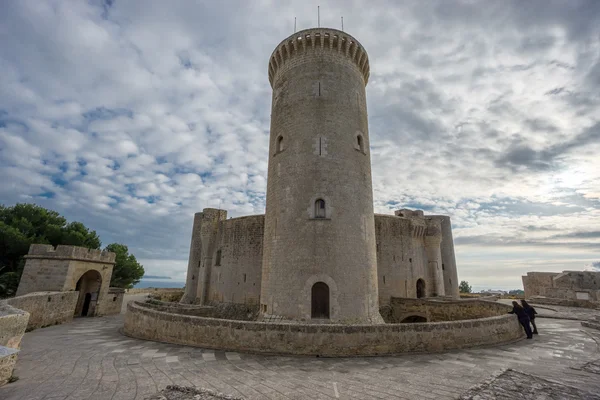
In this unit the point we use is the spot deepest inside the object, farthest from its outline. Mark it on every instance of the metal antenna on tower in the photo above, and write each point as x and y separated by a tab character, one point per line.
342	24
319	16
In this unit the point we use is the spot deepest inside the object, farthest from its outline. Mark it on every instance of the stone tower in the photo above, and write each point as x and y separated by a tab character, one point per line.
319	256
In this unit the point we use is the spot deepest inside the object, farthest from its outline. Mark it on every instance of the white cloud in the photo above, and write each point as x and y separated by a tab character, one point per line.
141	114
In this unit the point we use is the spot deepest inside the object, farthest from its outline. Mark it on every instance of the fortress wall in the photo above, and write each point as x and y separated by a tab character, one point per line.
112	303
535	283
331	340
46	308
238	278
43	275
400	257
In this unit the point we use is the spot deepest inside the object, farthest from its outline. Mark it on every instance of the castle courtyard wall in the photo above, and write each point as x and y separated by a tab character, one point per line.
438	311
46	308
330	340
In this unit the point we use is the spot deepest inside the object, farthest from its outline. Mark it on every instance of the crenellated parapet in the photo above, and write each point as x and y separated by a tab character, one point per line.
305	43
62	252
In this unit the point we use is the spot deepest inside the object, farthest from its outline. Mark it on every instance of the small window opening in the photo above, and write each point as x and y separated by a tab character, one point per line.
320	146
443	269
115	298
193	277
359	141
279	144
244	277
384	279
410	260
218	260
49	299
319	88
320	208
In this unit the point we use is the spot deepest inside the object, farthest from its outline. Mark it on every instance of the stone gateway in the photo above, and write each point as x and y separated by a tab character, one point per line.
319	253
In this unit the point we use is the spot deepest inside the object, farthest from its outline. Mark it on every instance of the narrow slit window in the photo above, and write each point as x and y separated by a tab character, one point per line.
218	258
320	208
360	143
320	146
279	144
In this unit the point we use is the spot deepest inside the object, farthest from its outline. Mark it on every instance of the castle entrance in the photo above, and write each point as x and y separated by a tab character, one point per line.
88	287
420	288
320	301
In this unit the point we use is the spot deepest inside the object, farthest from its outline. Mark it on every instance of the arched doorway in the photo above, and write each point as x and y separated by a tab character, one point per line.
88	287
320	301
420	288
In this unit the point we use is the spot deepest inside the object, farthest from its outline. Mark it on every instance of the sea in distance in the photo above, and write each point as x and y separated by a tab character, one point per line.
158	283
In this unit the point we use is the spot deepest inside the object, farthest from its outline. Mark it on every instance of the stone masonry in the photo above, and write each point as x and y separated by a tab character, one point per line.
319	252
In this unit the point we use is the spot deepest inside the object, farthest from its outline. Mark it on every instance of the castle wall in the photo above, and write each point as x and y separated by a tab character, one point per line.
193	272
238	277
46	308
112	303
401	257
535	283
13	323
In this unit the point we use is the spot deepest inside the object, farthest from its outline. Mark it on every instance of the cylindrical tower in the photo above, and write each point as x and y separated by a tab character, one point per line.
319	259
433	239
191	282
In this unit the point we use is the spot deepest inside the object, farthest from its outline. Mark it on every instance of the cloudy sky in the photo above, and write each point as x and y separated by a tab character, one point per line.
130	116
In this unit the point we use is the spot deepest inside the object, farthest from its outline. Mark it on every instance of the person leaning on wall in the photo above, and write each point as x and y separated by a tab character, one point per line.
531	314
523	318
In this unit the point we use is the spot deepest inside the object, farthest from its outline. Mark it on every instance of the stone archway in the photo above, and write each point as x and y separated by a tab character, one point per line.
88	287
420	288
320	301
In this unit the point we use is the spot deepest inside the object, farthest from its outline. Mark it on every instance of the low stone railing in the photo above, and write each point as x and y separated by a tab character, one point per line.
13	323
46	308
330	340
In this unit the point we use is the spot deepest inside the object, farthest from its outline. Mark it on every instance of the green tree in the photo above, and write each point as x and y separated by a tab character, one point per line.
127	271
24	224
464	287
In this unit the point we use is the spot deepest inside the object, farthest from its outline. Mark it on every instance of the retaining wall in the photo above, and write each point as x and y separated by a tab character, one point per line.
13	323
46	308
438	311
329	340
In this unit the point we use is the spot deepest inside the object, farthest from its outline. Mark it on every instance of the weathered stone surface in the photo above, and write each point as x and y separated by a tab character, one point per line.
46	308
174	392
511	385
144	321
90	359
13	323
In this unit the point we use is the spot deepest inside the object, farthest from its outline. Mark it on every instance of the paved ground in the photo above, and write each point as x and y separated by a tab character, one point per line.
90	359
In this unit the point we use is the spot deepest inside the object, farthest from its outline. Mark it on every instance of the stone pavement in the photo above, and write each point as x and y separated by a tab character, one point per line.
90	359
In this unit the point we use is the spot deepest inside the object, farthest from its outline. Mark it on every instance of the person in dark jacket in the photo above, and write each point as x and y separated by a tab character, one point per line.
531	314
523	318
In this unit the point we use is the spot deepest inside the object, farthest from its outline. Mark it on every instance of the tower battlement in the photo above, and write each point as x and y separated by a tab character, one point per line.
308	41
70	253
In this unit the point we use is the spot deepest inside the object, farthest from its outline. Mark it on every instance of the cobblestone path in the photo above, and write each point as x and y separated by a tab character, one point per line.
91	359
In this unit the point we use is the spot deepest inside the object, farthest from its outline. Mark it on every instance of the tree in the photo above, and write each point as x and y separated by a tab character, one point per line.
127	271
24	224
464	287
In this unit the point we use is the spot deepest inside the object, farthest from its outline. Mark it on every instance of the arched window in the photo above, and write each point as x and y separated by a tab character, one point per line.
320	300
420	288
279	145
320	208
218	258
359	142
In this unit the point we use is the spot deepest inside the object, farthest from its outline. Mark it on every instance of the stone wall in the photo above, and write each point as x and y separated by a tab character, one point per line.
401	258
317	339
574	286
437	311
112	302
46	308
535	283
237	277
13	323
